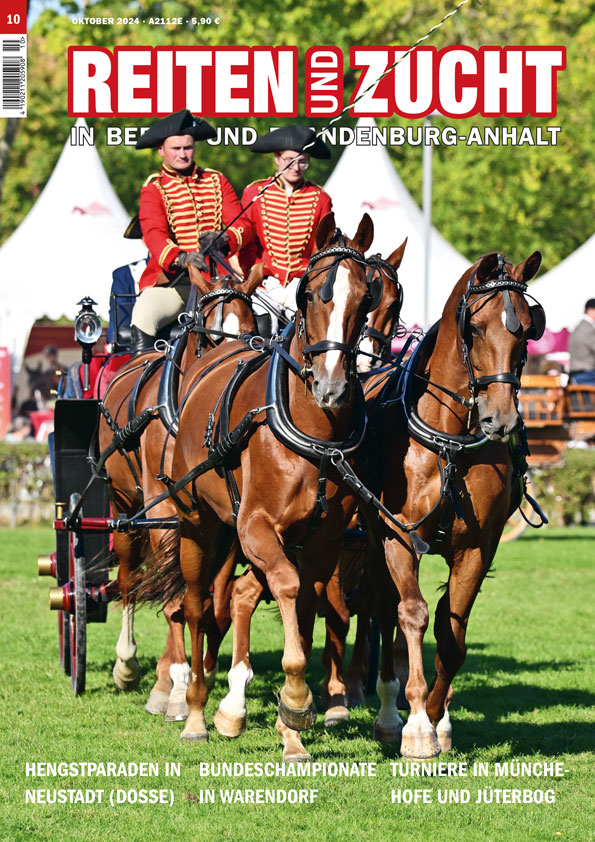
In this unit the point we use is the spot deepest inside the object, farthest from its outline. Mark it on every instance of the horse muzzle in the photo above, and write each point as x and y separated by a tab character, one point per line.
499	426
330	393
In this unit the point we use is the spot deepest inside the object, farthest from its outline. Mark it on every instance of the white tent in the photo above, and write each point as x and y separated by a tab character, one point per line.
365	180
564	290
65	248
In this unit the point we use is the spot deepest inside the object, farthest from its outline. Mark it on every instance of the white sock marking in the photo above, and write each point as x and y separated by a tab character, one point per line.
239	677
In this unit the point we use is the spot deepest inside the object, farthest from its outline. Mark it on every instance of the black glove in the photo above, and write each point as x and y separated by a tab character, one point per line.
218	239
192	258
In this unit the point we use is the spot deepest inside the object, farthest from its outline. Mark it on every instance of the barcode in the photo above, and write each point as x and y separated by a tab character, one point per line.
13	79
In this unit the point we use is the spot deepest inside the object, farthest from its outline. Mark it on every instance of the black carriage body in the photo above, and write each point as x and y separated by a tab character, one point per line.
75	426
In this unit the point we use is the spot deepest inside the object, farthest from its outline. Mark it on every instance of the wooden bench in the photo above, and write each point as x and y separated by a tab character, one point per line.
580	401
580	411
541	400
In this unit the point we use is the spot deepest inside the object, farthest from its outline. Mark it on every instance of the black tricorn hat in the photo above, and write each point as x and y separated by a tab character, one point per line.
180	123
133	230
294	138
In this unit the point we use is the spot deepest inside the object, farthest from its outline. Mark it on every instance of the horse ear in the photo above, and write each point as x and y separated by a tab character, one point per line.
198	279
528	268
487	264
364	234
254	279
325	230
397	255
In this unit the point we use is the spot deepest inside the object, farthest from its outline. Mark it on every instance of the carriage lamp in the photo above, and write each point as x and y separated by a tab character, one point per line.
87	330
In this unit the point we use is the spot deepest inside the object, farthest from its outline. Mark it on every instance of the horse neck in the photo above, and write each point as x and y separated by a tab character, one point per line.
331	424
446	368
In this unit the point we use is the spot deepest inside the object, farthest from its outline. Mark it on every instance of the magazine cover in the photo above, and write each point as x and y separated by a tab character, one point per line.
271	279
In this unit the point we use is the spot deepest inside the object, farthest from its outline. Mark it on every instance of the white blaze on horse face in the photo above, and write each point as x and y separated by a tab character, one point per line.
231	325
365	363
336	331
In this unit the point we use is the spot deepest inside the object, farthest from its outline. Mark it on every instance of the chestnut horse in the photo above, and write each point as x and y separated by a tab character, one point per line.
133	480
315	407
450	467
230	719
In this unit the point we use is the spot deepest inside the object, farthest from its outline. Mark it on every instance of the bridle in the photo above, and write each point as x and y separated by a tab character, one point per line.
216	298
339	253
385	342
504	283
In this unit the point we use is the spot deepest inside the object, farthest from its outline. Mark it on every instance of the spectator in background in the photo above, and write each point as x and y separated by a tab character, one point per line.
582	348
52	367
20	429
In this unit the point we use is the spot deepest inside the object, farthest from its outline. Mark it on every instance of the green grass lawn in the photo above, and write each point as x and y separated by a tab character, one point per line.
526	693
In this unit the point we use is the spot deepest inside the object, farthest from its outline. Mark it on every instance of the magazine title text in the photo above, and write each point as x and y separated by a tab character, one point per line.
456	81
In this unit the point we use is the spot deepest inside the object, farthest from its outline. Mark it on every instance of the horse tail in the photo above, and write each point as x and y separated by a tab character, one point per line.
162	580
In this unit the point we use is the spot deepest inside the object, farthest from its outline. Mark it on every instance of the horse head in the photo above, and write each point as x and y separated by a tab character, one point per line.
224	304
384	320
494	320
333	299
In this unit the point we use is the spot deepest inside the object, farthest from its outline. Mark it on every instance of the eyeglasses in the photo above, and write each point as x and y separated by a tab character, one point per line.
301	163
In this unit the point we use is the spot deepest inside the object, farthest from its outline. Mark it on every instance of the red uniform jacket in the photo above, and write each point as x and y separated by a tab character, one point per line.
175	210
284	227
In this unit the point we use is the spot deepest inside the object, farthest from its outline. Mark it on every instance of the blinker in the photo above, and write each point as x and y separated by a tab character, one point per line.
513	324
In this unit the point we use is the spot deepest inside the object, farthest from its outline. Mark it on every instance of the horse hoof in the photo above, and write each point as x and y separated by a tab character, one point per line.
335	714
445	740
297	720
297	758
418	745
386	734
228	725
177	710
444	733
194	736
126	676
355	697
157	702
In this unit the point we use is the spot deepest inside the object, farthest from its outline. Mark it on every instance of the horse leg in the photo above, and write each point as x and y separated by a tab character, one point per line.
168	695
359	665
178	668
230	719
419	738
388	725
126	669
357	669
221	621
262	547
450	627
293	750
401	658
197	604
172	665
337	627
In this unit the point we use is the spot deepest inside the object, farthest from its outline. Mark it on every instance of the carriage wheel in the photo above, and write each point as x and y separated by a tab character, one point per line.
64	640
78	621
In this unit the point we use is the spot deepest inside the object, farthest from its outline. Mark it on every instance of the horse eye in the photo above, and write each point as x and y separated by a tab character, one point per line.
309	295
474	330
